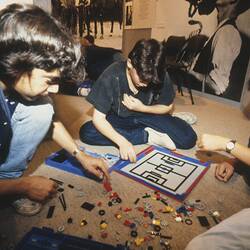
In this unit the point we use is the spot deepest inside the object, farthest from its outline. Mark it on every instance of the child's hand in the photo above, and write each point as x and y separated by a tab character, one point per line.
127	151
132	103
224	171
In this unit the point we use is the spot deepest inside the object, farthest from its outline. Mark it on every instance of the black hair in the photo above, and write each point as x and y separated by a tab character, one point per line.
31	38
241	6
90	38
148	60
206	7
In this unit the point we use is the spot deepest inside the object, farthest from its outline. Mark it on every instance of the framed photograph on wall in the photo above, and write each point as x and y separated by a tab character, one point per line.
220	68
128	17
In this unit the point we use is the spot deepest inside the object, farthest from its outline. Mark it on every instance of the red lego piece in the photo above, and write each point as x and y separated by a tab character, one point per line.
127	209
113	195
148	238
127	223
158	196
104	235
107	186
141	209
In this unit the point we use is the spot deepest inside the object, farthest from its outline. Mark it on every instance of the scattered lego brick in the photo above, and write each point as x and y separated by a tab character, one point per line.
70	220
139	241
103	225
107	186
83	223
88	206
104	235
127	223
51	212
118	216
136	201
127	209
101	212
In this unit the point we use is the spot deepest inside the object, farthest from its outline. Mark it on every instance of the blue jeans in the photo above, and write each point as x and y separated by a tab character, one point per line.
30	125
133	129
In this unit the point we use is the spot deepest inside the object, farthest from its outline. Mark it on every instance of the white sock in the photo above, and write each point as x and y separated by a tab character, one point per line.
160	139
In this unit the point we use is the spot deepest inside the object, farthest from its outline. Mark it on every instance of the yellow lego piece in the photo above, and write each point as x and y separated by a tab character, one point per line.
169	209
156	222
139	241
103	225
118	216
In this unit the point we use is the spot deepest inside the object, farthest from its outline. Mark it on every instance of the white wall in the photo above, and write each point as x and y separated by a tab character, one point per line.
172	19
243	21
44	4
3	3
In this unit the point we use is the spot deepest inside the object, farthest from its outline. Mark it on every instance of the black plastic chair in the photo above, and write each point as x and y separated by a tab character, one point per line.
180	55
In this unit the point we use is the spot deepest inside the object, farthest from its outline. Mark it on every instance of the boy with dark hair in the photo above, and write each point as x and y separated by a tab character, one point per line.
35	57
132	102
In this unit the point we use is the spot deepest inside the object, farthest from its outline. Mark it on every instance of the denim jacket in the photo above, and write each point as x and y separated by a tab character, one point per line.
5	128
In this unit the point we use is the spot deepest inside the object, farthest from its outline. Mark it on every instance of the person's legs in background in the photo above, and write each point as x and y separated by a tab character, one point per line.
111	26
95	25
81	26
102	31
87	22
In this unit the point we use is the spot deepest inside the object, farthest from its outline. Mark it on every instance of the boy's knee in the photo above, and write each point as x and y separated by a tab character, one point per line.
185	136
188	140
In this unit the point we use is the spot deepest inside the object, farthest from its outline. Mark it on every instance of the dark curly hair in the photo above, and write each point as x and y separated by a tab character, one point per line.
148	60
30	38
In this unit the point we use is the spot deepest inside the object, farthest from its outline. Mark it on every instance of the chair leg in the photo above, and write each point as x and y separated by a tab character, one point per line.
191	95
178	87
177	79
181	91
180	81
190	90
